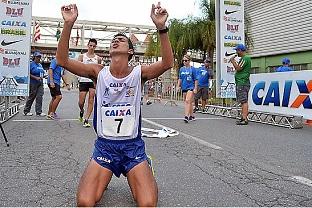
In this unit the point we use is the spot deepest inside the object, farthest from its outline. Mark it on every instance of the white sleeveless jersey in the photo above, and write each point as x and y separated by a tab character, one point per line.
87	60
117	108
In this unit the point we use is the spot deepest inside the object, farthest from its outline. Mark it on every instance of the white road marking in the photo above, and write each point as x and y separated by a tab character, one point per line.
40	120
182	118
302	180
200	141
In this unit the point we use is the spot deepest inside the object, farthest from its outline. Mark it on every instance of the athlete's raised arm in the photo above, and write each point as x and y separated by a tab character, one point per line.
159	16
70	14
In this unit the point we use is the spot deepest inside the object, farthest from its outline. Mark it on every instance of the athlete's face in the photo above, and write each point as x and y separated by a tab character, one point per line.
91	46
120	45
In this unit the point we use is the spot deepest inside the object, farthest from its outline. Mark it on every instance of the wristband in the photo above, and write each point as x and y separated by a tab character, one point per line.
163	30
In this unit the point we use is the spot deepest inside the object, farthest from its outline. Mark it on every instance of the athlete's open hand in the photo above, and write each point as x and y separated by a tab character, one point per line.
159	16
69	13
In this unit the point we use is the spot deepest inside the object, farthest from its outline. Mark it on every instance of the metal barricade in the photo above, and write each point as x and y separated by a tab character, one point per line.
167	90
9	106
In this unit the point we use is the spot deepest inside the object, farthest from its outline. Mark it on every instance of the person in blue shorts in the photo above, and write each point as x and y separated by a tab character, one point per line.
188	83
285	67
119	148
55	74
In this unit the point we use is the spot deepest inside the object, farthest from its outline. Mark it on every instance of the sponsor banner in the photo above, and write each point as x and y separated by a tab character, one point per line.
230	32
288	93
15	30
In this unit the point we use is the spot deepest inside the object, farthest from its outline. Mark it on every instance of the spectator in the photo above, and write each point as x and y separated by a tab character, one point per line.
188	82
242	81
203	75
285	67
55	74
35	86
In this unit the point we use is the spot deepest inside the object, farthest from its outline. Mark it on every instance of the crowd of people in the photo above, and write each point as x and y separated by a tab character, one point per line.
55	75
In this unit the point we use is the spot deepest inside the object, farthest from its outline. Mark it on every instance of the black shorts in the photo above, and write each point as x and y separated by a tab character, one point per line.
85	86
55	91
185	91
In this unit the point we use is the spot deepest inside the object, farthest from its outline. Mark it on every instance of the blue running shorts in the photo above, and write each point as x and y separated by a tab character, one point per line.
119	156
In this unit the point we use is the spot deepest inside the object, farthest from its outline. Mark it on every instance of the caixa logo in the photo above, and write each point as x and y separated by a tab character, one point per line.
274	96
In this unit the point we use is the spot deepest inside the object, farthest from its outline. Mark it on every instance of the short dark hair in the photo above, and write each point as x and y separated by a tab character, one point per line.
92	40
207	60
129	43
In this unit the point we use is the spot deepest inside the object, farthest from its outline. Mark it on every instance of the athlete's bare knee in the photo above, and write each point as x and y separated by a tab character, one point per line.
85	201
147	202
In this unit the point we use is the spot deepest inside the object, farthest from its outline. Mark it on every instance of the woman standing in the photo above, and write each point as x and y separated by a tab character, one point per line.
36	86
188	83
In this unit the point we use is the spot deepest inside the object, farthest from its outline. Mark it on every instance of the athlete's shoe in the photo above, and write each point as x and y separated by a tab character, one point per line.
186	119
50	117
191	118
56	116
195	109
86	124
28	114
150	163
242	122
81	116
41	114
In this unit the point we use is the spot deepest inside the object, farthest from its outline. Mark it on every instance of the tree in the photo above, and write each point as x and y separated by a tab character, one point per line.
196	34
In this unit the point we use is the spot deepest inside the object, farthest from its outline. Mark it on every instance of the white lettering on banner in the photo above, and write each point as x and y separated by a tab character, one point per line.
288	93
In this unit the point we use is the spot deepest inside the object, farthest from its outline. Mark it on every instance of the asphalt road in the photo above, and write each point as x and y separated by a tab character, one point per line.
212	162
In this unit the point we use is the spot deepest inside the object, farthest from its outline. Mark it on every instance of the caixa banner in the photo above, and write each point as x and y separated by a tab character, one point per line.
288	93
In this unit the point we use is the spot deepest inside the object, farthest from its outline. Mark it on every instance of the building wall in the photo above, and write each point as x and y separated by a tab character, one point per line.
299	60
280	28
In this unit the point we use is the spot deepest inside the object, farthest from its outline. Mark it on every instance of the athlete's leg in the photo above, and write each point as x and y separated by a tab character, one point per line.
50	105
90	103
143	185
81	101
92	184
55	103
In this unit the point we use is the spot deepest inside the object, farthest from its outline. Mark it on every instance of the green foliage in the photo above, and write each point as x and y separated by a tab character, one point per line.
195	34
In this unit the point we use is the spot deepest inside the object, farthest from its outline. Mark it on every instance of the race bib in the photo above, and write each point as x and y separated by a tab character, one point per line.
118	121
